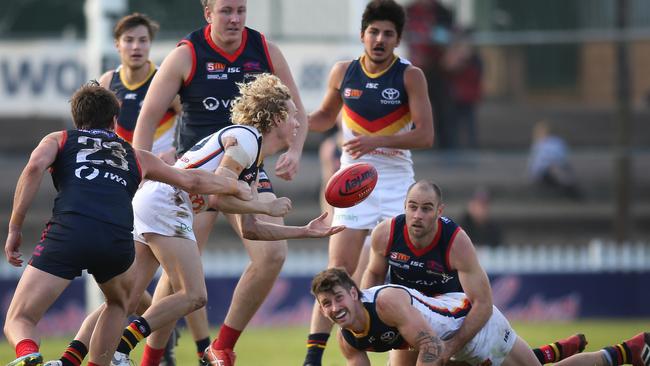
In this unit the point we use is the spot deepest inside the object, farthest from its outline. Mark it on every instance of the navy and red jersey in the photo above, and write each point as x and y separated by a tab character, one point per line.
427	269
209	91
131	97
96	174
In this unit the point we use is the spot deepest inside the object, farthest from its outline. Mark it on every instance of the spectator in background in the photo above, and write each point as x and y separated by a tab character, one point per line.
465	68
428	32
477	221
548	163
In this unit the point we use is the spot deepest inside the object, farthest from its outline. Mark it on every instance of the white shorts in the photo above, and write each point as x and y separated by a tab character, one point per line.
491	344
385	201
161	209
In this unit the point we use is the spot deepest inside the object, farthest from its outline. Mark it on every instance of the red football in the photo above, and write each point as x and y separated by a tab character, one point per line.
351	185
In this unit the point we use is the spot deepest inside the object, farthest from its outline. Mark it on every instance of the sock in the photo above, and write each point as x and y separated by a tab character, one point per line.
134	333
74	354
25	347
151	356
227	338
619	354
316	343
201	345
549	353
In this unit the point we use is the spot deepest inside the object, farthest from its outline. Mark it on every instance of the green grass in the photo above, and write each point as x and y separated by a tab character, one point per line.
286	346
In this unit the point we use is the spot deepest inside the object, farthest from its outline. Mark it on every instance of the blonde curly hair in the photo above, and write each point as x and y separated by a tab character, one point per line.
261	103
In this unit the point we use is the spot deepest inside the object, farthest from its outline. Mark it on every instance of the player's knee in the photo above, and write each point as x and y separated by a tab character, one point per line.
273	260
197	300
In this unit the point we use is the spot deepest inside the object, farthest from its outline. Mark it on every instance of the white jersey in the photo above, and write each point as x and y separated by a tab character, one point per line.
209	151
162	209
445	314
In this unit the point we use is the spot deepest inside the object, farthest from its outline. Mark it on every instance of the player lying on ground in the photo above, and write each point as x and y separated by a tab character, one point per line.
395	317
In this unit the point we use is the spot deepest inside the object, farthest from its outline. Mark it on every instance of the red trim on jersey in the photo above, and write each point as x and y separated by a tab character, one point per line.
63	140
379	123
268	54
423	251
390	237
191	46
451	243
207	158
231	57
457	312
124	133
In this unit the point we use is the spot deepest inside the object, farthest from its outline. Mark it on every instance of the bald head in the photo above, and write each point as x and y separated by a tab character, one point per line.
425	185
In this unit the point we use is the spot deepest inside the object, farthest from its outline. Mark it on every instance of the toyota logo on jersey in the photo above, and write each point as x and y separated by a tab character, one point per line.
390	93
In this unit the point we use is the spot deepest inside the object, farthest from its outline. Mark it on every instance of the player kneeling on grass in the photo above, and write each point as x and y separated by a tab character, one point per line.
96	174
388	317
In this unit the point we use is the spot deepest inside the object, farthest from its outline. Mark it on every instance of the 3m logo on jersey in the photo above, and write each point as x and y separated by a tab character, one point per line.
352	93
215	67
400	257
390	96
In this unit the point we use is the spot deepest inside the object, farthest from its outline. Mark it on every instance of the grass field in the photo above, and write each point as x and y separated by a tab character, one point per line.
286	346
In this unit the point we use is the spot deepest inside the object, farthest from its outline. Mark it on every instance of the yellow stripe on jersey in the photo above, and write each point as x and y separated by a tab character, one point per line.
377	74
390	129
152	69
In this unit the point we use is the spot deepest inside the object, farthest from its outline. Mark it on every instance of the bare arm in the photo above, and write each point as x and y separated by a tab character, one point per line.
324	117
190	180
419	138
477	288
353	356
375	273
105	79
254	229
162	91
394	308
288	163
28	184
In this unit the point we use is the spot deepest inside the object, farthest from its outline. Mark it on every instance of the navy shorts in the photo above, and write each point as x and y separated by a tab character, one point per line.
71	243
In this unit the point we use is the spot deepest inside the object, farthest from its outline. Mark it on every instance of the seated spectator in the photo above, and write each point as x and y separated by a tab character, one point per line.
477	222
548	163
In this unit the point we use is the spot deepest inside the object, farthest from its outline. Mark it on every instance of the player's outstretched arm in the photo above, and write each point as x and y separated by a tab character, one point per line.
254	229
394	308
28	183
375	272
190	180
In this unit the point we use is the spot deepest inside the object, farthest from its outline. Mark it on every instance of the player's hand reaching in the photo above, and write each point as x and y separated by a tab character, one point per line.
318	228
287	166
360	146
14	239
279	207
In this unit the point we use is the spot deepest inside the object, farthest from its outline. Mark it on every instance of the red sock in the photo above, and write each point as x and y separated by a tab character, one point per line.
227	338
151	356
25	347
550	353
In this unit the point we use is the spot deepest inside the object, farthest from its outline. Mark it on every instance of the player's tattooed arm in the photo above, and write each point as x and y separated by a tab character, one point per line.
430	347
